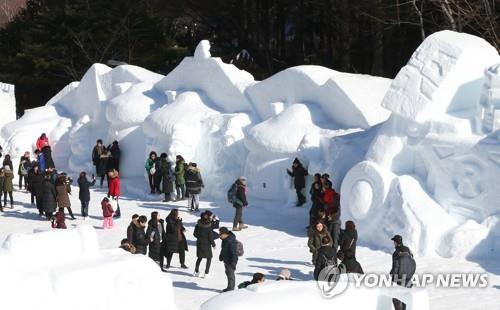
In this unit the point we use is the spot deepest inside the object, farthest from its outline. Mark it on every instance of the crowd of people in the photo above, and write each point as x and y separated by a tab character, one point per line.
328	242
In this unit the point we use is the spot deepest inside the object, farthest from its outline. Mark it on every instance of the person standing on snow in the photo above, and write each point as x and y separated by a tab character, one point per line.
115	156
403	268
331	201
140	241
99	159
298	174
8	187
204	243
194	184
316	234
63	190
326	257
131	228
114	190
348	239
151	170
49	201
84	193
156	236
180	182
229	255
240	202
175	240
107	214
167	177
22	171
35	187
42	141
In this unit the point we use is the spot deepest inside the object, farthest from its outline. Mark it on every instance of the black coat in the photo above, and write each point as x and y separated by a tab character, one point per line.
114	160
325	253
130	232
403	266
167	175
140	241
299	174
175	240
204	239
47	155
241	195
49	201
8	162
194	182
99	162
84	186
316	196
352	265
156	232
35	184
347	243
228	251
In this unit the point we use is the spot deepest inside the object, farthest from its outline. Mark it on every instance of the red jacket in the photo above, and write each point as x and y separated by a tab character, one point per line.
107	210
40	143
330	199
114	186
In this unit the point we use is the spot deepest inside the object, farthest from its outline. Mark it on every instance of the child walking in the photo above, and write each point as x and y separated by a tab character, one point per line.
107	213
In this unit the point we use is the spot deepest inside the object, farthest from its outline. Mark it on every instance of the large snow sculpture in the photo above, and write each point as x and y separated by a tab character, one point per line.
7	104
66	262
488	118
429	137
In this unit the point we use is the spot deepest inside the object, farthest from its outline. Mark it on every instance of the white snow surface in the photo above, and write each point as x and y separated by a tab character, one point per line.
424	149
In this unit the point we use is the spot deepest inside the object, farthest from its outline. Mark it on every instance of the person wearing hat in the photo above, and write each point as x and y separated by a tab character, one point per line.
228	255
298	174
241	202
403	268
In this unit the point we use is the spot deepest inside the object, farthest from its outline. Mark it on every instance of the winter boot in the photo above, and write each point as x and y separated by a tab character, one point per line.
243	226
236	229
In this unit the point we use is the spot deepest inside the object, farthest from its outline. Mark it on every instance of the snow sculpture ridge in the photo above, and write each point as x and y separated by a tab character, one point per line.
202	50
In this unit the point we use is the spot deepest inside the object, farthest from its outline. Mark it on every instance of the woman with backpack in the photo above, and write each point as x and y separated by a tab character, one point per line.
237	196
180	182
326	256
151	170
175	240
22	171
155	233
316	234
203	232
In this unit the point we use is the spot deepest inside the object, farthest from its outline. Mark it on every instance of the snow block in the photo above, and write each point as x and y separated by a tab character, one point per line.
7	104
445	74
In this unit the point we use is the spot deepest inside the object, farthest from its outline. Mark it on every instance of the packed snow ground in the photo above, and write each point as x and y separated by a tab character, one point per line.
276	239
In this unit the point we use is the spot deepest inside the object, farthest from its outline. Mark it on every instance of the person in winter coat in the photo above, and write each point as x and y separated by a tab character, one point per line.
8	162
349	264
348	239
63	190
84	193
257	278
194	184
22	171
151	170
156	236
47	156
180	183
241	202
58	221
49	201
126	245
140	240
42	142
35	187
107	214
228	255
331	201
175	240
100	159
403	268
299	174
316	196
115	156
8	187
114	190
131	228
41	160
2	180
204	243
316	234
167	177
326	257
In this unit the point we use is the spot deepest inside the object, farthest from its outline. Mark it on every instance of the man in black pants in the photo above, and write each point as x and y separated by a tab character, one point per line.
299	174
228	255
403	268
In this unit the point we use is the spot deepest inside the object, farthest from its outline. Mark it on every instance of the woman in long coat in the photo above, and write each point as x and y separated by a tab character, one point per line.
156	236
63	190
175	240
115	189
204	242
49	201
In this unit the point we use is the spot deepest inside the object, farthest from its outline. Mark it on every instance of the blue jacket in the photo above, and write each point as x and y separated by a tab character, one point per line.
228	252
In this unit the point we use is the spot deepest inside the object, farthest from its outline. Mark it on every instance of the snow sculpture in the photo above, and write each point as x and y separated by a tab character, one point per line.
66	262
488	118
429	137
7	104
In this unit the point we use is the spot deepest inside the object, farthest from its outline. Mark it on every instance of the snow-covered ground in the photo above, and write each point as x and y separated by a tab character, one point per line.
276	239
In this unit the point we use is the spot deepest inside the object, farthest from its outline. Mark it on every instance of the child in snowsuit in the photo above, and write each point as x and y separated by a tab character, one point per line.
107	213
